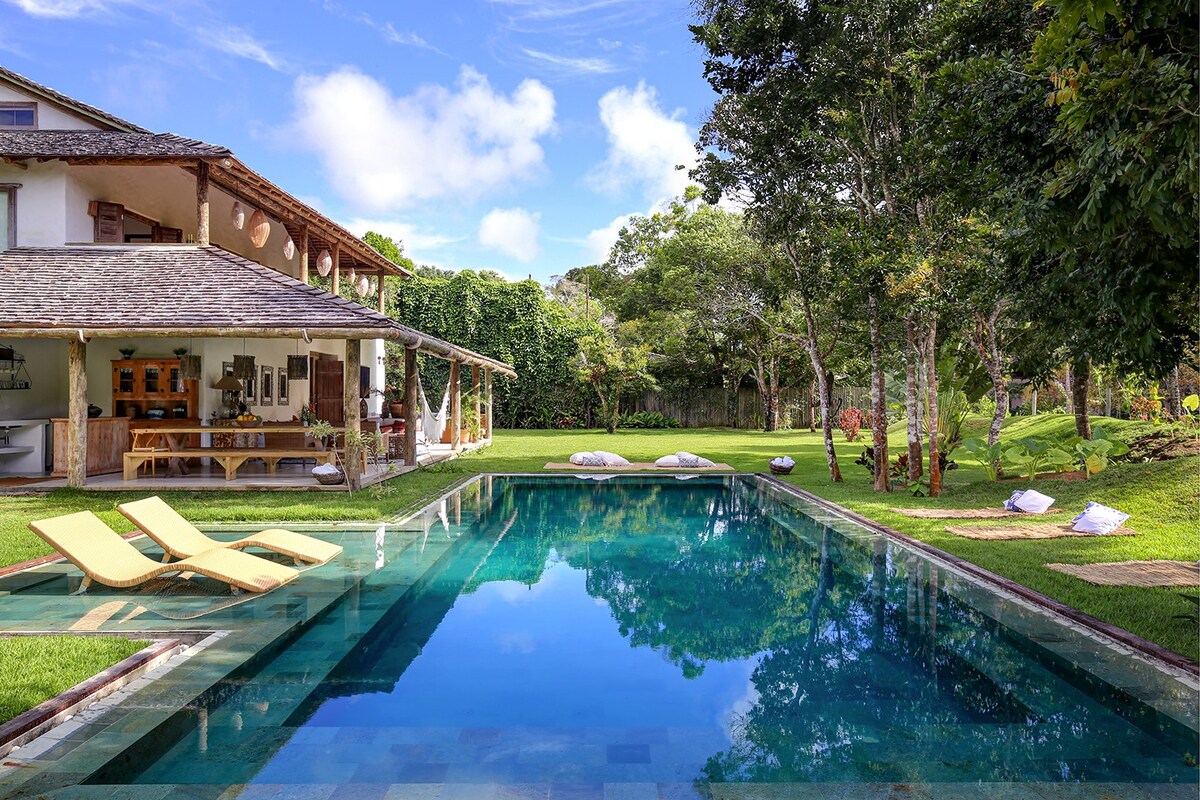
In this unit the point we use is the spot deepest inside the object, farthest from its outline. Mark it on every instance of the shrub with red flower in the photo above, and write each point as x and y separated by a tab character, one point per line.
850	420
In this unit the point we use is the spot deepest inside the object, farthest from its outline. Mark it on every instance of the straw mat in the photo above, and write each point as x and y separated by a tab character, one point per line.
1135	573
1025	531
966	513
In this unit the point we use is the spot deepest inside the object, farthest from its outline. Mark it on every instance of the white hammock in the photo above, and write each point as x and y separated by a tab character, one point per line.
434	425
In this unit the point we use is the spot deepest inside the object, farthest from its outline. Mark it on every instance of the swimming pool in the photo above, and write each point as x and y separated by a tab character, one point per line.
600	638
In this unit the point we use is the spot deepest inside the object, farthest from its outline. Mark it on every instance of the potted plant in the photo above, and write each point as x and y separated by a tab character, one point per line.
308	415
127	352
322	433
470	422
395	401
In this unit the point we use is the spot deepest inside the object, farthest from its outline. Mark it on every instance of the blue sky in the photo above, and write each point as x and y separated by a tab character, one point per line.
505	134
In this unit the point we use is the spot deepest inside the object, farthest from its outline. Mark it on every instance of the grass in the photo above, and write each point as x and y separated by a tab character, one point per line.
61	662
1163	499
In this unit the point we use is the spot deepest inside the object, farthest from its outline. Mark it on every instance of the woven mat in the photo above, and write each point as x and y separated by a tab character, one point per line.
1135	573
638	465
966	513
1025	531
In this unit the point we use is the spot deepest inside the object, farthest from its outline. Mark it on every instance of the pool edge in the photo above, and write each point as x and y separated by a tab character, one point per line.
1144	646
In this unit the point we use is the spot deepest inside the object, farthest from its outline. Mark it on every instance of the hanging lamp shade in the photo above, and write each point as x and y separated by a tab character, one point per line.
297	368
238	215
228	383
364	284
324	263
243	367
350	275
260	228
289	249
189	368
372	282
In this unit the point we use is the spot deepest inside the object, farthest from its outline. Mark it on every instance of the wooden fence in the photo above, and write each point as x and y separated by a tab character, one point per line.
710	408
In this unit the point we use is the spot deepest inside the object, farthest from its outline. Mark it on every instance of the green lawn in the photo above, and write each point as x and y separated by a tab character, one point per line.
61	662
1163	499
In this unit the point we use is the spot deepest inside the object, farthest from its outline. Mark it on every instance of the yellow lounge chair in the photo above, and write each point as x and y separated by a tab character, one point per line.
182	539
103	556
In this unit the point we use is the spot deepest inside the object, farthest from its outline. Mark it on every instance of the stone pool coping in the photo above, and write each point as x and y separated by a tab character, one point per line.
31	724
1145	647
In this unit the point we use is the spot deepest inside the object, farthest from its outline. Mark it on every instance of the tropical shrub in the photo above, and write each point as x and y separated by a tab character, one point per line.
851	420
1030	456
953	410
1145	408
987	455
648	420
1093	455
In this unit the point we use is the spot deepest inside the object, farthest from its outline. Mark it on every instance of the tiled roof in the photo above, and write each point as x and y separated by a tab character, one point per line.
60	99
177	287
105	144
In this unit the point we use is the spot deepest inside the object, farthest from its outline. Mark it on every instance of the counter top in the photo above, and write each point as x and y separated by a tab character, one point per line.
21	423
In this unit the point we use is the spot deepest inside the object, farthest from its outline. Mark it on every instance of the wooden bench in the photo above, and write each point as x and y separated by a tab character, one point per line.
229	457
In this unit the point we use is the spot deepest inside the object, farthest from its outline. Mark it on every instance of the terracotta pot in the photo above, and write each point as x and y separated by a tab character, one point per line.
397	409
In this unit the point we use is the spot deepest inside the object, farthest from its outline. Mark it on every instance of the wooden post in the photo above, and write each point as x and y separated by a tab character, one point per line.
337	268
455	406
382	295
487	387
303	249
476	392
202	220
77	405
350	398
410	407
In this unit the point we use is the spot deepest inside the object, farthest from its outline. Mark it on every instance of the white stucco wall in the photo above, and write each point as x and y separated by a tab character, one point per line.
46	363
41	203
49	117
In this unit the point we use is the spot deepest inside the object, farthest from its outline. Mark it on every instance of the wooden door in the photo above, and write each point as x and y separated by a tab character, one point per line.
109	224
329	387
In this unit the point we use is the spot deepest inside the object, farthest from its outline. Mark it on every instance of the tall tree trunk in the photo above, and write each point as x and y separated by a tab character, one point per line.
1069	389
912	404
883	481
773	388
1033	403
1174	393
812	407
825	385
987	344
931	409
764	392
1082	382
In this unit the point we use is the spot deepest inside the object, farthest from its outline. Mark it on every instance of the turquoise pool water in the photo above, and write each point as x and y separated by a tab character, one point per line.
642	632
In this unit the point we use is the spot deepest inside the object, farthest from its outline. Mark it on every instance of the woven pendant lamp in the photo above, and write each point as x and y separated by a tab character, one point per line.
297	368
289	249
238	215
364	285
324	263
350	275
260	228
243	367
189	368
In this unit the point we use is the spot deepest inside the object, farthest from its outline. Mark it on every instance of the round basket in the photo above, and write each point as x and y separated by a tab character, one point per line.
239	423
330	480
778	470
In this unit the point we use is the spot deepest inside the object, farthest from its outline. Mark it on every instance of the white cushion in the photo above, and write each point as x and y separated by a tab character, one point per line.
1099	519
611	459
667	461
1033	502
577	458
692	461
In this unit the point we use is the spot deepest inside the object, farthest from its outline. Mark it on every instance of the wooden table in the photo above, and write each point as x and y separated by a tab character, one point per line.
175	437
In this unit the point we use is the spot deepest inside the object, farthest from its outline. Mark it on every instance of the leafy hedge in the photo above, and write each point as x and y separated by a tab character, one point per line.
648	419
511	322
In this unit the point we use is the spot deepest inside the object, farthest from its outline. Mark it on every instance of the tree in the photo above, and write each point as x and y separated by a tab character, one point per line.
612	369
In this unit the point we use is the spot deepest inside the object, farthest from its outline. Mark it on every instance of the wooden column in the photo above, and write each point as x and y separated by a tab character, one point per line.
410	407
202	216
303	250
337	267
477	399
382	295
487	387
77	404
350	400
455	406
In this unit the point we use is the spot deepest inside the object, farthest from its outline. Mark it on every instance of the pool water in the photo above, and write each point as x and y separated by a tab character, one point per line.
645	631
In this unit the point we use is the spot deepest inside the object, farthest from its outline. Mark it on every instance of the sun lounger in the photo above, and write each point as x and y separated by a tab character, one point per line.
182	539
104	557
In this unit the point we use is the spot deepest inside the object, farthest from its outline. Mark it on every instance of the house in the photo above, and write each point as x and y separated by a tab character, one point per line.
139	269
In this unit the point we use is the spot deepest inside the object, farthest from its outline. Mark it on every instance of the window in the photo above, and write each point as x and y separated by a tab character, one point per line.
18	115
8	215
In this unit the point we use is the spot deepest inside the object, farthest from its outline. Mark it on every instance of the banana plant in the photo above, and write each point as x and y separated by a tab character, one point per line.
1031	456
987	455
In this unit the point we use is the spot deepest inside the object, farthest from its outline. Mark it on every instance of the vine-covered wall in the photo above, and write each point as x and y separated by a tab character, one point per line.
512	322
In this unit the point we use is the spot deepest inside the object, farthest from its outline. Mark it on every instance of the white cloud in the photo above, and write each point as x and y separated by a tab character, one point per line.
512	231
385	152
594	66
404	37
600	241
645	144
238	42
63	9
413	239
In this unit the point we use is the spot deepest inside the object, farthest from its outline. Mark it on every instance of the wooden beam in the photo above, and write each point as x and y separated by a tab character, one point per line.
303	249
202	210
350	405
77	419
410	406
487	387
337	267
477	398
455	406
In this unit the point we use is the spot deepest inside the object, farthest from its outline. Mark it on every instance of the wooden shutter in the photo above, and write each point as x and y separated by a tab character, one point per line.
170	235
330	387
110	221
